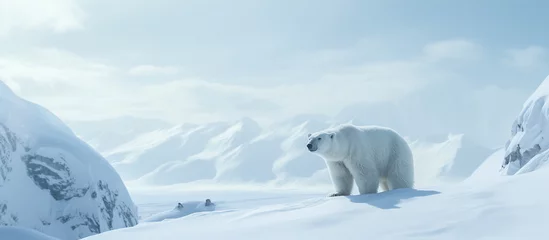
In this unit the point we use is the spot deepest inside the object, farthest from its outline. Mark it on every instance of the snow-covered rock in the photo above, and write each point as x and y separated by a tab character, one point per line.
52	181
527	149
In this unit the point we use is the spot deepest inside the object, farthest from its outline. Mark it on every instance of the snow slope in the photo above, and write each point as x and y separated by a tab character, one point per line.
20	233
187	209
528	147
493	208
225	153
53	182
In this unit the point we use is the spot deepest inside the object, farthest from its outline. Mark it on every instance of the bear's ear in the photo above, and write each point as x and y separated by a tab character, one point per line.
309	135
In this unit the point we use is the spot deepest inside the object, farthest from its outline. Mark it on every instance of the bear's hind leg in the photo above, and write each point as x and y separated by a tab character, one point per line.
400	175
384	185
366	181
396	181
341	178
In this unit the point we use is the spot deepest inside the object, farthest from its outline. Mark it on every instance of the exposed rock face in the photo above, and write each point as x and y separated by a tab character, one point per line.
52	181
527	149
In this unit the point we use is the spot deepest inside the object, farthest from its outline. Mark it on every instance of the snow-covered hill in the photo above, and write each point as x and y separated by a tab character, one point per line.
528	147
245	152
53	182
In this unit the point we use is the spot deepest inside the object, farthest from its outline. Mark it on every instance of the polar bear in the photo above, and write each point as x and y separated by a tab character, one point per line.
372	156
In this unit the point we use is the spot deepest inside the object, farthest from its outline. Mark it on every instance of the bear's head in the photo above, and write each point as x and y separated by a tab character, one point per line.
320	143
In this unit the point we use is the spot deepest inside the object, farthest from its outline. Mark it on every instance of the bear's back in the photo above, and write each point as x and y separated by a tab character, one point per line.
373	131
373	138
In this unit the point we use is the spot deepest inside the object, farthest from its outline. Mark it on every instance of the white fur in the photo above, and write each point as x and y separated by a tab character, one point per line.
372	156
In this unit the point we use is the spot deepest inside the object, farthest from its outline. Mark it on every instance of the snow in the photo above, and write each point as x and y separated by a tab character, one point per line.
17	233
178	212
495	208
486	170
52	181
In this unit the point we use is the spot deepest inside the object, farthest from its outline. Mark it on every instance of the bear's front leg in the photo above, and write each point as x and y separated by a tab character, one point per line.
341	178
337	195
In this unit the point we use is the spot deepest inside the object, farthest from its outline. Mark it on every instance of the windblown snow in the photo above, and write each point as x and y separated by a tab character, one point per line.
52	181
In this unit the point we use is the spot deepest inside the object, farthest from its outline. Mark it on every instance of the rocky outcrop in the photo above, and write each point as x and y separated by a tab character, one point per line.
526	150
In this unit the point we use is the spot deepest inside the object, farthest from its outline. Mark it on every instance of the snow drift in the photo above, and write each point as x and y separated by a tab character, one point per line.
53	182
527	149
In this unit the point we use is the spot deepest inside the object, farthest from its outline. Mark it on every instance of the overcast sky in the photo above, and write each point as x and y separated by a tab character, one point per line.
468	65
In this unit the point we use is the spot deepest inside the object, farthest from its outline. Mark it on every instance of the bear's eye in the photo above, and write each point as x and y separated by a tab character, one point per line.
319	139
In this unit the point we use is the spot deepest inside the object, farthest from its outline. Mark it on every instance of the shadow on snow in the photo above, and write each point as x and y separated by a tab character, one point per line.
390	199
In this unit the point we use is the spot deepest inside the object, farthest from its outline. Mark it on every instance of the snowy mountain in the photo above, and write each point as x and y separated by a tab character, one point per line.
112	132
527	149
53	182
215	152
245	152
448	158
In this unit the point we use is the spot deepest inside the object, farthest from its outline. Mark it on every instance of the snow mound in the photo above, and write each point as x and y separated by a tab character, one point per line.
527	149
187	209
19	233
52	181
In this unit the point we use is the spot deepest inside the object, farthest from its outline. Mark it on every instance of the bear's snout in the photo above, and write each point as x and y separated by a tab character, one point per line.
311	147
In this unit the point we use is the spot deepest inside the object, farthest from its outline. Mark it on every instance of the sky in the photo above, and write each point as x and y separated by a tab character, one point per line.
427	67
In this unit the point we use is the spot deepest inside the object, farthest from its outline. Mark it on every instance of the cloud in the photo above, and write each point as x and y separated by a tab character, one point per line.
42	71
427	93
76	87
528	58
148	70
56	15
453	49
